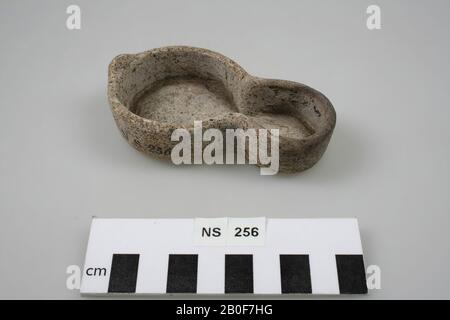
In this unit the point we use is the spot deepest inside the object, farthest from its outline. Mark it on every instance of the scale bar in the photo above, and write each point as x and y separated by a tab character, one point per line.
159	256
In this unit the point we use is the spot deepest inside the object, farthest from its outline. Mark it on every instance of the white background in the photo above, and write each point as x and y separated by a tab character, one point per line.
63	159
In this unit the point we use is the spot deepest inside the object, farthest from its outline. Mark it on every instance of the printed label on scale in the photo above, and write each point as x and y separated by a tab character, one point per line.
230	231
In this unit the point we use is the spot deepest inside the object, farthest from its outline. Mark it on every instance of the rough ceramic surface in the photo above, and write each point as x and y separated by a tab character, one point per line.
157	91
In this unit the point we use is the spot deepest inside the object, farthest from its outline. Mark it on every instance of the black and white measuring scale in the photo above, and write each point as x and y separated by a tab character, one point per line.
224	255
